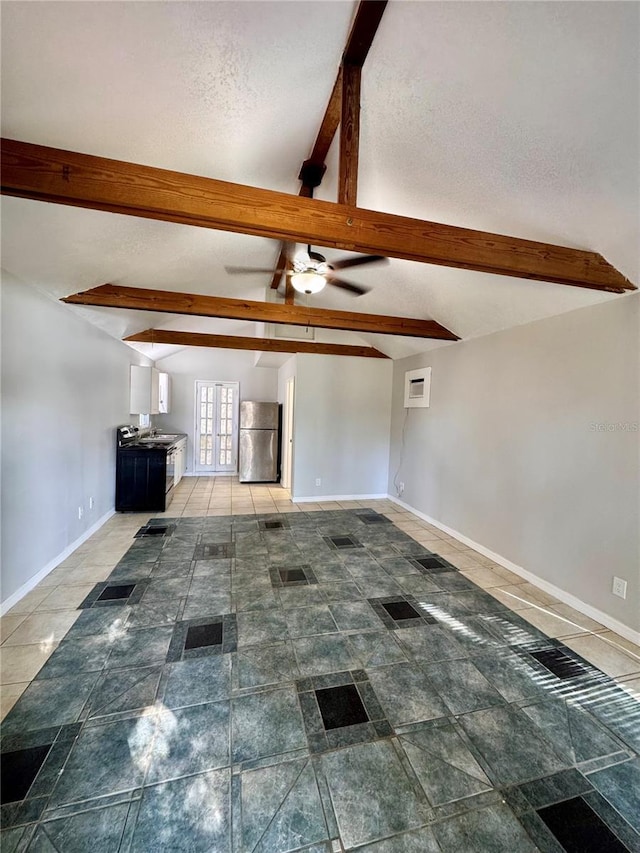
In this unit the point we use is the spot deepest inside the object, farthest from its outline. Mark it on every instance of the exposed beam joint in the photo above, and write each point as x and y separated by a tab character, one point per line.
168	302
195	339
311	175
81	180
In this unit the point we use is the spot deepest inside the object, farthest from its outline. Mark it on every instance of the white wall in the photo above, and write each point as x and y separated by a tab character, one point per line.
213	365
288	370
65	388
508	454
342	422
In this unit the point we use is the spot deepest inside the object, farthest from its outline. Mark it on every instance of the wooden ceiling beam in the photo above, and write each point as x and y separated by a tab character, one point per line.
279	270
289	291
196	339
169	302
349	135
365	25
329	125
81	180
284	265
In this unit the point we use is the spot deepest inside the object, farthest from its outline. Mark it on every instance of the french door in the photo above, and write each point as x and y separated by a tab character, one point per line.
216	432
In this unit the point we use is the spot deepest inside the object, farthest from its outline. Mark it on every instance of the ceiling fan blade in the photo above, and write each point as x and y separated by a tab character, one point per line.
243	270
356	289
359	261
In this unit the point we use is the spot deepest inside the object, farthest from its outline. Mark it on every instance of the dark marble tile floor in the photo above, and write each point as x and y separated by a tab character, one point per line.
316	683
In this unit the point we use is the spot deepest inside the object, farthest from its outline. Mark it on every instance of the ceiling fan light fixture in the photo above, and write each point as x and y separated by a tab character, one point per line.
301	262
308	282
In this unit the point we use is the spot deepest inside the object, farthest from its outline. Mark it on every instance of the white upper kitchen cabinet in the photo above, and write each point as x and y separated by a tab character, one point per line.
150	391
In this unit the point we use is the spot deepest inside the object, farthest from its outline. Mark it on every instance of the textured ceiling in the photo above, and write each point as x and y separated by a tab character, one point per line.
520	118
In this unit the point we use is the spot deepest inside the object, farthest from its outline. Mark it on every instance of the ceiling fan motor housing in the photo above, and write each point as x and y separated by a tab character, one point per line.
312	262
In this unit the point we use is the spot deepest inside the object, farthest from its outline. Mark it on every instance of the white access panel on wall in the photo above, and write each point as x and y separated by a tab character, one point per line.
417	388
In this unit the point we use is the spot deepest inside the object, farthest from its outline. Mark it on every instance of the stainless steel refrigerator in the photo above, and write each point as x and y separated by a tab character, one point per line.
259	442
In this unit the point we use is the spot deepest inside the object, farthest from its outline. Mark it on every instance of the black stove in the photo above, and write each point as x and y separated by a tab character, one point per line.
145	471
129	434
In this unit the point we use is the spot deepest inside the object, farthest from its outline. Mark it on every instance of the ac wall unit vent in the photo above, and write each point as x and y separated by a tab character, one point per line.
417	388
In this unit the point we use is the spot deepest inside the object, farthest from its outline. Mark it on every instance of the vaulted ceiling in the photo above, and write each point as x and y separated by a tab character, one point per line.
517	118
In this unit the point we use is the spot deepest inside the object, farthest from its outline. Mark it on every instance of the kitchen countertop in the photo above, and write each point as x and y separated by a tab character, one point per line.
155	442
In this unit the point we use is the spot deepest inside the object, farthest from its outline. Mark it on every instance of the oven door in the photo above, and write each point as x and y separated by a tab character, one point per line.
171	470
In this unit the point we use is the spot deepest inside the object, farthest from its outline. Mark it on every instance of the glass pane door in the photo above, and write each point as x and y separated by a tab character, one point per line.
216	427
224	437
207	430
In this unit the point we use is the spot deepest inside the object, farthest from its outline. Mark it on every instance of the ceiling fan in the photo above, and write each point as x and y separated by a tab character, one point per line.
310	271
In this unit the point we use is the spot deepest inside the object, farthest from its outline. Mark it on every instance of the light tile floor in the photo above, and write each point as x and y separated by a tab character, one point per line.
35	627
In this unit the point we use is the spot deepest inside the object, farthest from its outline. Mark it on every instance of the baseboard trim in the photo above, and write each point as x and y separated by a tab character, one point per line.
210	474
556	591
33	581
317	498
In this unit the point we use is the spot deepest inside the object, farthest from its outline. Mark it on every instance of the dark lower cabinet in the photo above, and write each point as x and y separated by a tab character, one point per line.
141	478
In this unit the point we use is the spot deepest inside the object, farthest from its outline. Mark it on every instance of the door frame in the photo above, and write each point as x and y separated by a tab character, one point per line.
197	470
287	434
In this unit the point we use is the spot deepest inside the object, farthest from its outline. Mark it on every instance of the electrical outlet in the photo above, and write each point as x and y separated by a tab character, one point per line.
400	488
80	513
318	481
619	587
90	503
